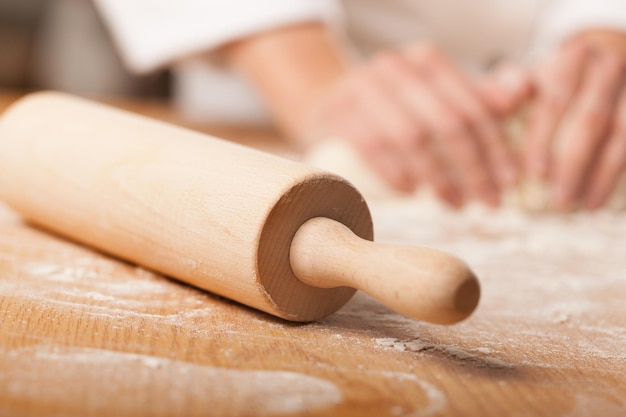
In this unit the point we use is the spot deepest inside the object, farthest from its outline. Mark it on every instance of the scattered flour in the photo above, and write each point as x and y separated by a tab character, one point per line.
404	386
561	318
553	293
137	281
437	401
417	345
153	383
591	405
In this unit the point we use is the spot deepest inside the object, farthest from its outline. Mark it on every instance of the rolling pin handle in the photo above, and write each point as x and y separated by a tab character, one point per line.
420	283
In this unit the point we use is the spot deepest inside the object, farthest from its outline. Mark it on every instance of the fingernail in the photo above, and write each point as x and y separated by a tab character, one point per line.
404	184
490	197
560	197
592	205
453	197
594	201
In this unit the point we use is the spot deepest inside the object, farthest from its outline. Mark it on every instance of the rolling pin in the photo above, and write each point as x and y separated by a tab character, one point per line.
267	232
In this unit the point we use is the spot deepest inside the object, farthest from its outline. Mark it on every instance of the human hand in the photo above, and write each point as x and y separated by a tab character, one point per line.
581	89
415	117
506	89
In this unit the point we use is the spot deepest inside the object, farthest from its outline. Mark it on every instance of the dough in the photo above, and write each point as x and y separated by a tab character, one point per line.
337	156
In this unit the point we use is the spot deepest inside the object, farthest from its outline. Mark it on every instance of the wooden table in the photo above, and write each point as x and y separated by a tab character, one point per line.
83	334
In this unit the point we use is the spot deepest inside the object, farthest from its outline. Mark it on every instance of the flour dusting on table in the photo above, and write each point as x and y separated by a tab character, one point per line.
157	383
544	277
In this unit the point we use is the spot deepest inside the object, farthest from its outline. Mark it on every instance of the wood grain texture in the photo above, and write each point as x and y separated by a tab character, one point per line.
83	334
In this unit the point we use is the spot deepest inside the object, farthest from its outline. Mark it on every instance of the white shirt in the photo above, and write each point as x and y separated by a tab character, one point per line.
475	33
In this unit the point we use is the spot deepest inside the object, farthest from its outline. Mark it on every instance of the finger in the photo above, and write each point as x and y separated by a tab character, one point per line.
368	140
455	144
374	152
460	94
589	123
430	169
462	153
557	82
505	89
346	117
437	175
611	163
379	130
418	144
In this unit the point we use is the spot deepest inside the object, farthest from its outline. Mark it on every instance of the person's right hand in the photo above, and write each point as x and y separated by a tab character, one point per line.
416	118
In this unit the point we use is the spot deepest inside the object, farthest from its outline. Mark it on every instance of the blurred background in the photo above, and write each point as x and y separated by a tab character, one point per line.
63	45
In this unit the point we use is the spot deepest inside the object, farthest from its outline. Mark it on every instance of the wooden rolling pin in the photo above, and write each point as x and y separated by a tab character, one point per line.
267	232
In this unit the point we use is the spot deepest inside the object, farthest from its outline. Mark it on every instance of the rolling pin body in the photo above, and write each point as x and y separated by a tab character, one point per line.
213	214
208	212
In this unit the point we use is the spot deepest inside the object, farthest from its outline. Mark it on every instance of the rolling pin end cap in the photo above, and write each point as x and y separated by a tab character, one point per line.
455	296
467	295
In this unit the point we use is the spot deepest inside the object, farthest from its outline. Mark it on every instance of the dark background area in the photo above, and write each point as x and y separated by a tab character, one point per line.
63	45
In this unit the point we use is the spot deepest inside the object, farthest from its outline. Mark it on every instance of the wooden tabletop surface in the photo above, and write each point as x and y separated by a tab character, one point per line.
83	334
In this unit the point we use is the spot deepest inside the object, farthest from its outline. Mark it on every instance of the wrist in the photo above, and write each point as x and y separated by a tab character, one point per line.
292	68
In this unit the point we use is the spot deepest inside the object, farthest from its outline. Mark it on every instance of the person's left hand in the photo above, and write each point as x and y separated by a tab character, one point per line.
584	85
